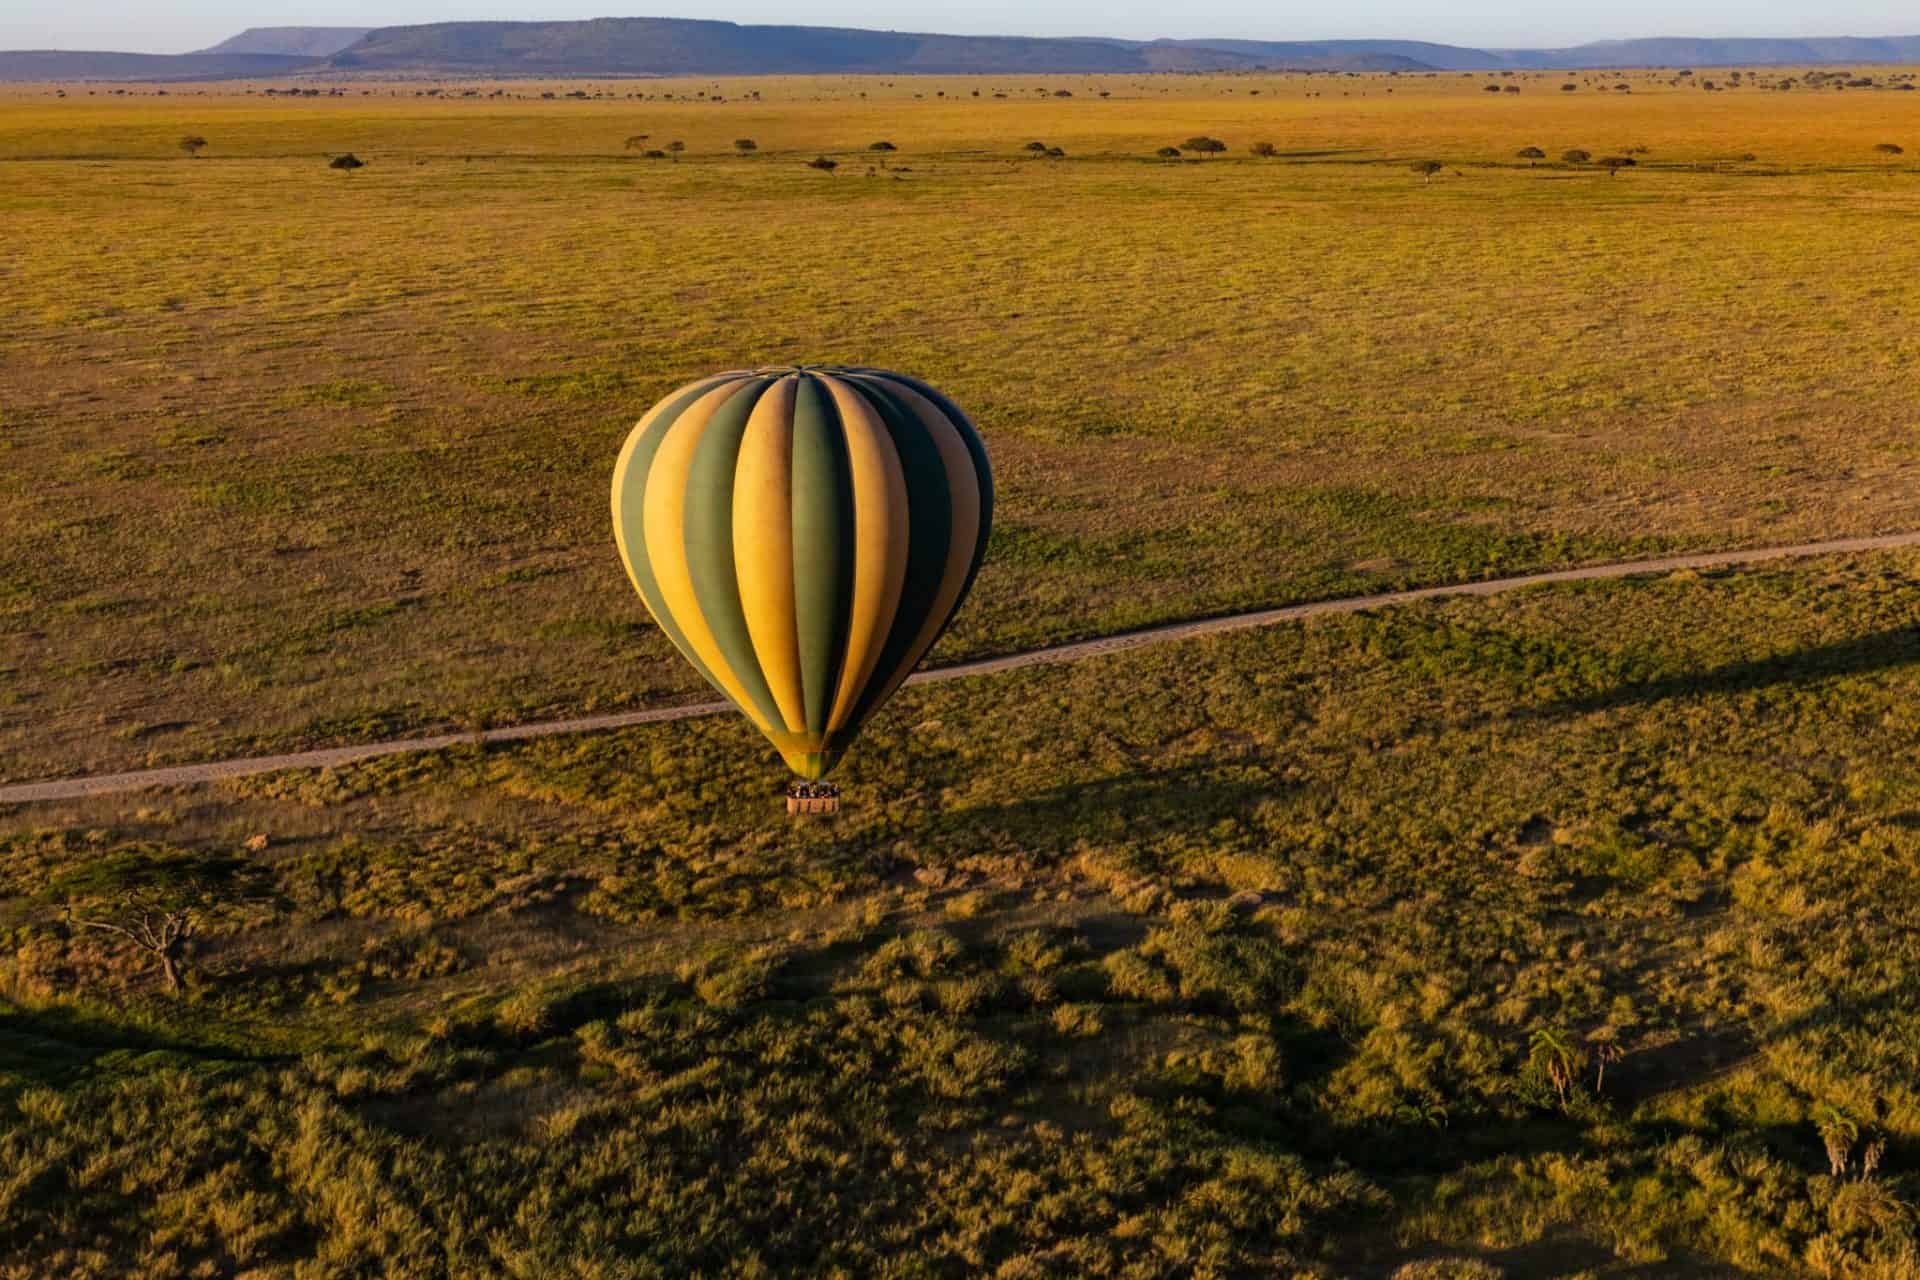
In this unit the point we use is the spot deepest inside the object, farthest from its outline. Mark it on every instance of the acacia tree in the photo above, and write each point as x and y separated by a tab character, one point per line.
675	148
744	145
1532	155
157	904
636	142
192	143
1889	148
159	928
1614	164
348	163
1427	168
1168	153
1576	156
1204	145
1263	149
823	164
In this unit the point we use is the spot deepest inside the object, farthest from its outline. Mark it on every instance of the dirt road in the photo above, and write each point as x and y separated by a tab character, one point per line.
189	774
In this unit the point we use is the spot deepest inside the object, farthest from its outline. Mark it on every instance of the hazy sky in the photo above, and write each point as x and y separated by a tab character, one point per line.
173	26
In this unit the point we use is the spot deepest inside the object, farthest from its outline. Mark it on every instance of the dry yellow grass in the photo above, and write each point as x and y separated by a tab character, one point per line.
309	455
1283	953
1368	116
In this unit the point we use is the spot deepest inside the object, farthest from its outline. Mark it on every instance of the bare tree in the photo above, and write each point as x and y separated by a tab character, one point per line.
159	928
1605	1052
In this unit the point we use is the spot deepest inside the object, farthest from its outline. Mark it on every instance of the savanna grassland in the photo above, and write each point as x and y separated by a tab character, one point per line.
1556	934
1569	932
307	456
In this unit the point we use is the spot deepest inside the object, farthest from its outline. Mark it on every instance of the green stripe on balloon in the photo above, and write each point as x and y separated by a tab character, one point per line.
709	543
930	529
632	491
983	475
982	469
822	546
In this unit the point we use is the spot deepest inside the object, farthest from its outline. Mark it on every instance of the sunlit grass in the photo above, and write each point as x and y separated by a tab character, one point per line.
1228	955
253	393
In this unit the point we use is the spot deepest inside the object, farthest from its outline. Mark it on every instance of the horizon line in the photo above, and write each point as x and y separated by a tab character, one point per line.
1450	43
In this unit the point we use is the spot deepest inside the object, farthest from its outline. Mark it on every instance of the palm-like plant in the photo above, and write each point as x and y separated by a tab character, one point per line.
1553	1052
1838	1132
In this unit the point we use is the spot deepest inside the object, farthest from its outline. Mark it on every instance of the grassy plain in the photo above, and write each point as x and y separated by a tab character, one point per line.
307	456
1224	958
1255	955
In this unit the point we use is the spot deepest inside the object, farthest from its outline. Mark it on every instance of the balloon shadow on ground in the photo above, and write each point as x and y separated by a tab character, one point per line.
1860	655
57	1045
1129	806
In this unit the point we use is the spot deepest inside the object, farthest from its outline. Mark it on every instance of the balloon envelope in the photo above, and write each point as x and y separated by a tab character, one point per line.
803	536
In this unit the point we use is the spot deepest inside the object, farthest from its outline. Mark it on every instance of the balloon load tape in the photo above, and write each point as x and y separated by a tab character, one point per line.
813	797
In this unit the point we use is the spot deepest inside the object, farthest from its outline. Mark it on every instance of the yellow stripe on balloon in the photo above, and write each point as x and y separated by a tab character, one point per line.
665	512
621	496
879	543
963	490
763	546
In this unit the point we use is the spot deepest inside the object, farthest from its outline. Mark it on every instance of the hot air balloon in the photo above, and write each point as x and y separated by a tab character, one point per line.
804	535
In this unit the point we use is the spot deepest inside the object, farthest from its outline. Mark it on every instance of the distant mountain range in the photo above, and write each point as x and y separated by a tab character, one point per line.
684	46
294	42
1680	52
61	64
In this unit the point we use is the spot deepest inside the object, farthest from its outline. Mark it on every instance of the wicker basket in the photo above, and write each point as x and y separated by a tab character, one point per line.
813	804
813	798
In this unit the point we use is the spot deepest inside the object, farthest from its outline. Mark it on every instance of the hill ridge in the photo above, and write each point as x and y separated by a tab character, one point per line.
295	42
646	46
